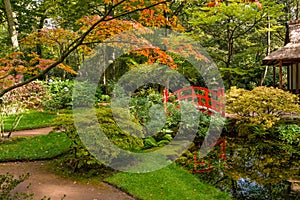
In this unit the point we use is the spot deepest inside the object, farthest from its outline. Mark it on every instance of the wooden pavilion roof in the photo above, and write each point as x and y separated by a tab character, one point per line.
290	53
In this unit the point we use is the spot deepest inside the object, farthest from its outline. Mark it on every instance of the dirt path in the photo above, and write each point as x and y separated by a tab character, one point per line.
45	183
33	132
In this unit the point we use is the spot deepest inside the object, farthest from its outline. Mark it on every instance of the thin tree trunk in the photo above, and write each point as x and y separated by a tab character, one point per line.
39	46
229	54
268	51
297	10
11	24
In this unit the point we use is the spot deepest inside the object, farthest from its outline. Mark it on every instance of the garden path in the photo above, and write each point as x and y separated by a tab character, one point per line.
43	182
32	132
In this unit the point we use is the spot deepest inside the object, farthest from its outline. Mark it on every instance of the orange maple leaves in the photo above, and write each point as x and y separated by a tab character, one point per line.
105	29
15	65
59	40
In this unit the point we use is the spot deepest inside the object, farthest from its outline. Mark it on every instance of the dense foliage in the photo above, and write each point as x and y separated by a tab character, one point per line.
261	106
30	96
289	134
59	95
79	157
234	34
49	41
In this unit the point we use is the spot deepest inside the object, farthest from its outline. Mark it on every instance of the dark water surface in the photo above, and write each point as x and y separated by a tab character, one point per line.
261	169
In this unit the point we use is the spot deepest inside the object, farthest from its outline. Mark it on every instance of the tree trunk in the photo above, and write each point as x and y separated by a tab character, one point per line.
39	50
11	24
297	10
268	51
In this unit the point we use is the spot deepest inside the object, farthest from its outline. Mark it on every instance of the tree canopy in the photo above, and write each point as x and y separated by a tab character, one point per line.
53	38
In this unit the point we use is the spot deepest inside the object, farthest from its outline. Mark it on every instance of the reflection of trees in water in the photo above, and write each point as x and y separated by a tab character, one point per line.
259	170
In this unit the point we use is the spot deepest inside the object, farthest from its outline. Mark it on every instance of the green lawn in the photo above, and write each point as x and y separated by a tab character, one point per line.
32	119
171	183
34	148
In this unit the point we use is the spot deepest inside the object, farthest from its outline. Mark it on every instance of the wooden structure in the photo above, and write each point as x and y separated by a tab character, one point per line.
209	102
205	100
288	56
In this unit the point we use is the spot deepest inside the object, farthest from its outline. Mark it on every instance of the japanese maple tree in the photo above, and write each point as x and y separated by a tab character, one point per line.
17	64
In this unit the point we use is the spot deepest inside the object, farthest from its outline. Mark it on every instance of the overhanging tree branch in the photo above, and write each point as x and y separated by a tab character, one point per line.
77	42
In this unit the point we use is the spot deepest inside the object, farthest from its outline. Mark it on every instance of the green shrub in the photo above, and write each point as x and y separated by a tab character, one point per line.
163	143
79	157
167	137
130	138
148	109
59	94
289	133
104	98
250	130
84	96
142	108
261	106
150	142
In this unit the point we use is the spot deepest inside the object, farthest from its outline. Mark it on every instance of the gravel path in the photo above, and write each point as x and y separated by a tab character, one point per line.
45	183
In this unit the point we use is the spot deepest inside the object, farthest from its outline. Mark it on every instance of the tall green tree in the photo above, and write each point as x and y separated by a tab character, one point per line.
291	9
235	34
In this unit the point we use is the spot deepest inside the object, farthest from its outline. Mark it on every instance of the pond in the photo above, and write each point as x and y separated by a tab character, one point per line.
258	170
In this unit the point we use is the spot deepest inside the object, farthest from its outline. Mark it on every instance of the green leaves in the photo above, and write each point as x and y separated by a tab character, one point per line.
81	156
289	133
150	142
235	36
262	106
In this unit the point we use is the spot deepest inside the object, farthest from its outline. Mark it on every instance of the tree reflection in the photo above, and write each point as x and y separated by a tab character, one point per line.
257	170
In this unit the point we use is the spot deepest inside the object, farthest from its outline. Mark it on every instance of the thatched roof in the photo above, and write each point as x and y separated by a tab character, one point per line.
290	53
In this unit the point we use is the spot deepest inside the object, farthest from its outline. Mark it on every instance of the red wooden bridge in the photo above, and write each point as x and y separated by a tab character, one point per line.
204	98
208	101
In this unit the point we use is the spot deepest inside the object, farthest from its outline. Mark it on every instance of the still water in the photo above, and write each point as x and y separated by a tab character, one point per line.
258	170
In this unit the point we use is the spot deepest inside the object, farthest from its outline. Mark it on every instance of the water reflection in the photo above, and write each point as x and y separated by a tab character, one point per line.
258	170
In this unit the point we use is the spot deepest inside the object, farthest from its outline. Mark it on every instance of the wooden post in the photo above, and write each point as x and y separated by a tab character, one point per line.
274	76
280	74
297	78
290	77
165	98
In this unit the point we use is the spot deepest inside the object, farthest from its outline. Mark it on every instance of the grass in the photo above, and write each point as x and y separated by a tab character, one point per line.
171	183
32	119
34	148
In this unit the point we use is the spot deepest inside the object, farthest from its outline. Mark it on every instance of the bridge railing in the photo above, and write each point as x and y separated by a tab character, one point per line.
204	98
